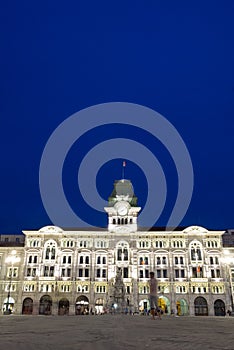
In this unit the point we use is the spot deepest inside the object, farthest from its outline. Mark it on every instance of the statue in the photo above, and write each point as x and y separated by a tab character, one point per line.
117	297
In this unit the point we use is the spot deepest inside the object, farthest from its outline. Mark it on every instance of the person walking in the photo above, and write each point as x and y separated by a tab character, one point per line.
153	296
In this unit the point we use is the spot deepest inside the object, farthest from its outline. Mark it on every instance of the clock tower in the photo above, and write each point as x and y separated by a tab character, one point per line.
122	208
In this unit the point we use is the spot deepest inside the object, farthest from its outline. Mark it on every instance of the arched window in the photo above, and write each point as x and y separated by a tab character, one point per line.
122	251
195	251
87	260
176	260
50	250
181	260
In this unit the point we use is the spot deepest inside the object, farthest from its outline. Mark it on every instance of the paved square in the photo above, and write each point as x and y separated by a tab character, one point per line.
115	332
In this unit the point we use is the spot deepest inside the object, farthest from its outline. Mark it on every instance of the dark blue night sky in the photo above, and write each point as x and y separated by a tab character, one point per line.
175	57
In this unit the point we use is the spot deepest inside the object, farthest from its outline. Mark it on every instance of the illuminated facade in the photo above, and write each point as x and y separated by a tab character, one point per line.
60	271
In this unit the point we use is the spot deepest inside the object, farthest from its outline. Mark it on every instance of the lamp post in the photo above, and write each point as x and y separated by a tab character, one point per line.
11	259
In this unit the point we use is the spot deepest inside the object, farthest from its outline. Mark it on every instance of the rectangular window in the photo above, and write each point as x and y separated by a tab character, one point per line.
194	272
125	272
182	274
51	271
177	274
164	273
98	273
86	272
80	272
158	273
46	271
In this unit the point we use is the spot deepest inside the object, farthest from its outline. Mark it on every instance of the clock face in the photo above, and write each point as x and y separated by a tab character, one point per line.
122	210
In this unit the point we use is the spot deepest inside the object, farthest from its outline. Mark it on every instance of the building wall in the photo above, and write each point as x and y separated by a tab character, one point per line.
63	271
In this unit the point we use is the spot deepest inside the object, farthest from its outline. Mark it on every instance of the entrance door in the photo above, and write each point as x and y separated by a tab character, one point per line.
200	306
219	308
27	308
63	307
45	305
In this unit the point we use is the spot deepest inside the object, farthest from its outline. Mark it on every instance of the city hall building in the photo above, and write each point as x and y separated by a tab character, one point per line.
55	271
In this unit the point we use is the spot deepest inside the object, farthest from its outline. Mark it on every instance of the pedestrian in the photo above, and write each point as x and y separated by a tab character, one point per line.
153	297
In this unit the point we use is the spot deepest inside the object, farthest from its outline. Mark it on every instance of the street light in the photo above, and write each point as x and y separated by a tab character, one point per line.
11	259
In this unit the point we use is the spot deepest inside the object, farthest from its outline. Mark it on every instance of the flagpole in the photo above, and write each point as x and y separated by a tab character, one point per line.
124	164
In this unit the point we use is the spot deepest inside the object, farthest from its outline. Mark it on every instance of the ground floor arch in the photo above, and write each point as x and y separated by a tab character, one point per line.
45	305
200	307
182	307
63	307
164	304
219	308
82	305
27	307
8	305
144	306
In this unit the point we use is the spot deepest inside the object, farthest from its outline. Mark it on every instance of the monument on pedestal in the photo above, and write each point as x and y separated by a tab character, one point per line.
117	295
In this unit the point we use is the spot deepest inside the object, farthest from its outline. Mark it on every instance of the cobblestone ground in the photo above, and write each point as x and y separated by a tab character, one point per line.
115	332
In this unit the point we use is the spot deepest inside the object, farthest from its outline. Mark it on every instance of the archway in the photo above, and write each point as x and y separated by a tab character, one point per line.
27	308
200	307
63	307
99	306
164	304
182	307
8	306
82	305
219	308
144	306
45	307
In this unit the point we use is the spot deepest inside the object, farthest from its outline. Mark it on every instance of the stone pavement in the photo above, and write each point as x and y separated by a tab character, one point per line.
114	332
